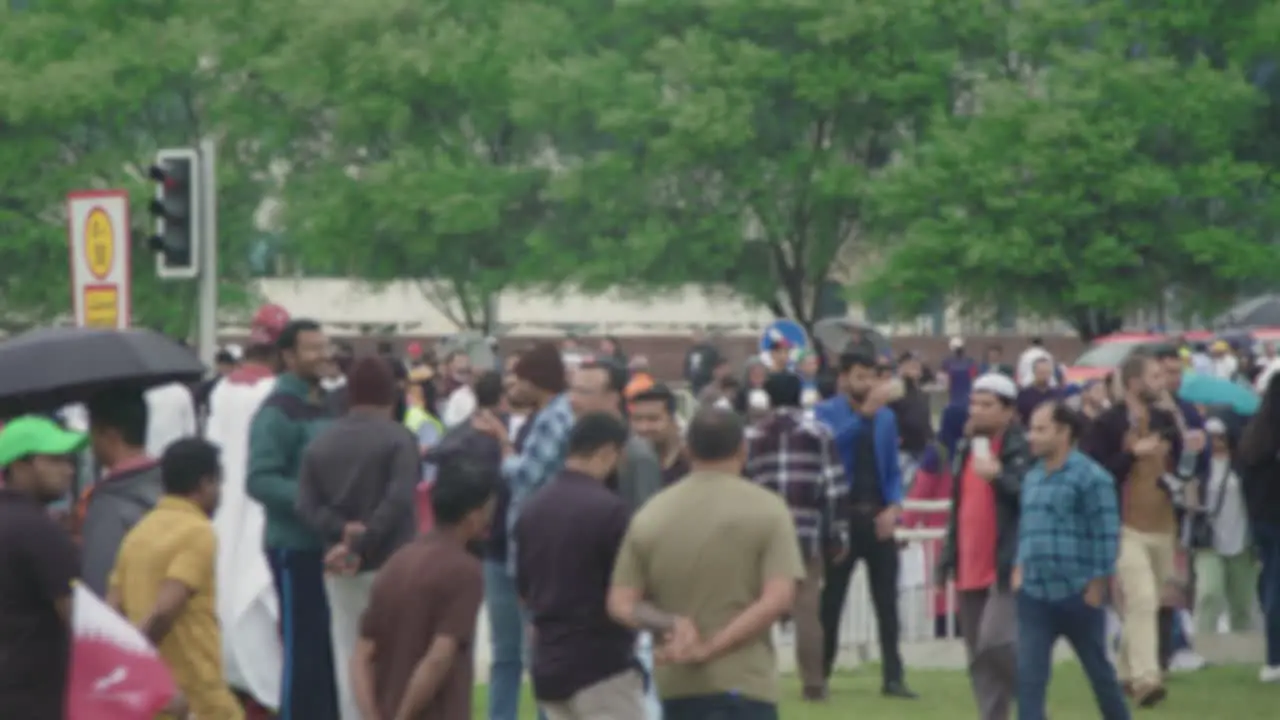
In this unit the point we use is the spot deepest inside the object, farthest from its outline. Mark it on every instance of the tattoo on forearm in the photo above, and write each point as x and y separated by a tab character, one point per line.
652	619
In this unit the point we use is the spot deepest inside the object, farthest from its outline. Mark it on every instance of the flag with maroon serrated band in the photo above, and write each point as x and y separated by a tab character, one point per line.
115	672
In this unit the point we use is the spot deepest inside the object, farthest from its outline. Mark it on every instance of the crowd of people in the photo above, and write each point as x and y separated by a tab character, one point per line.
320	546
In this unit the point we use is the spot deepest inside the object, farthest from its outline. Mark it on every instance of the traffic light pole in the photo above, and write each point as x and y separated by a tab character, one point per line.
207	337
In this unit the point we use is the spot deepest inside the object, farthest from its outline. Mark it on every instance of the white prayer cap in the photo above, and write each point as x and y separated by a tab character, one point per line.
957	342
996	384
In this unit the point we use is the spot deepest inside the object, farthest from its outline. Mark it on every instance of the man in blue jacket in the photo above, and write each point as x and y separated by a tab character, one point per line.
866	435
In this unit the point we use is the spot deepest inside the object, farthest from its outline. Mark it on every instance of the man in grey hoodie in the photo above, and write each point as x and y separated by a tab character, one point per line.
130	485
598	387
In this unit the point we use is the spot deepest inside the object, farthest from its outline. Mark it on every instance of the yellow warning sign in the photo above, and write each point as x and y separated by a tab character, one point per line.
99	245
102	306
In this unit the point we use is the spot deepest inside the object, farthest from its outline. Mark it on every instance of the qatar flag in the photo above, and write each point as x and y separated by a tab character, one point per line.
115	673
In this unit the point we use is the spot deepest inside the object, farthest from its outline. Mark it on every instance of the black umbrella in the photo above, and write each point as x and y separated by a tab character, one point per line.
43	370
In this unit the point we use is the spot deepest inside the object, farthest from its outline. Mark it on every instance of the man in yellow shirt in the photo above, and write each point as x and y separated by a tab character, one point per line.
163	580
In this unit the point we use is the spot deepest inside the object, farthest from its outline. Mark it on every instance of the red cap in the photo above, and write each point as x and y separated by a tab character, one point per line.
267	324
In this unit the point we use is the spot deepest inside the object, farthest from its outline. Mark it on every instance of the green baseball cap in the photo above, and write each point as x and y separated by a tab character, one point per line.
35	435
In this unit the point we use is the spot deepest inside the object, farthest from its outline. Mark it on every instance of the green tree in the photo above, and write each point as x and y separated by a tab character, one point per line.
734	141
1103	181
89	89
405	162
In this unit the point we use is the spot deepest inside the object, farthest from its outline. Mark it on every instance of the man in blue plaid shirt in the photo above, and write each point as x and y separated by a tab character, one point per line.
1067	545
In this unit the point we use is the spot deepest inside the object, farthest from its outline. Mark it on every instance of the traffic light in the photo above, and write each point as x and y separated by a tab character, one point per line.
176	209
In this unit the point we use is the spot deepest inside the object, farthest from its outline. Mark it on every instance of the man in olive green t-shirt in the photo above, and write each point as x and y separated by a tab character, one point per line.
711	563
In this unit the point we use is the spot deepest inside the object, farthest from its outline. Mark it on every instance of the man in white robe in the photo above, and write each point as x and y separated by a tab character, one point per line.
247	608
171	416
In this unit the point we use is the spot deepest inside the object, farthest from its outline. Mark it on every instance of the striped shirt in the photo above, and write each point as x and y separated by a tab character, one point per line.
538	460
1069	533
795	456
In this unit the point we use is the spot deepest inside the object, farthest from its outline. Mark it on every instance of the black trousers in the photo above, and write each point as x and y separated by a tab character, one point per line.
881	557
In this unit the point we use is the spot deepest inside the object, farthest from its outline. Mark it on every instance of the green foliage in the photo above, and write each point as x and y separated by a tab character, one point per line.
1074	159
89	89
1096	184
734	140
413	166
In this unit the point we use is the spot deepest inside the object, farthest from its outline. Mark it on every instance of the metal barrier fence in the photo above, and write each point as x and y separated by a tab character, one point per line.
926	611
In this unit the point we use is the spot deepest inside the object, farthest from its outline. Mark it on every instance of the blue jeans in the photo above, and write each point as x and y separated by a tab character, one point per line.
718	707
1040	624
506	641
1267	537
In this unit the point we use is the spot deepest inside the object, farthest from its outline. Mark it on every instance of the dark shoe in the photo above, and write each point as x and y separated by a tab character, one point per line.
1149	696
898	689
815	694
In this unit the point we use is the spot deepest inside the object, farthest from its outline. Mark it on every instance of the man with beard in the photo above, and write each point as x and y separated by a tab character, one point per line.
653	417
598	387
583	661
866	436
38	561
1136	441
982	539
291	416
530	458
1067	539
1188	480
915	418
247	608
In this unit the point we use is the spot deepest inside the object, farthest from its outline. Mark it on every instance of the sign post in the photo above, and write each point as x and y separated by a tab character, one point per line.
785	329
101	257
207	337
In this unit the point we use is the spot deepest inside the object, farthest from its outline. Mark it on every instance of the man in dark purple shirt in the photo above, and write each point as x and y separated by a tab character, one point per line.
567	538
1040	390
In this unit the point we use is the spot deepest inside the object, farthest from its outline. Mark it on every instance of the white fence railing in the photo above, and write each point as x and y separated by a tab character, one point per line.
926	613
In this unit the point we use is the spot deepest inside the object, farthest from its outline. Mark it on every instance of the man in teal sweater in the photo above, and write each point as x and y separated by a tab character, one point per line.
289	418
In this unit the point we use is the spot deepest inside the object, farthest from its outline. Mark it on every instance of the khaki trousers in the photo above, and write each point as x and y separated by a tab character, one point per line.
1144	566
805	613
620	697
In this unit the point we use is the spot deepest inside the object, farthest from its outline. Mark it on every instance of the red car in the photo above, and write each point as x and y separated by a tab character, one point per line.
1106	353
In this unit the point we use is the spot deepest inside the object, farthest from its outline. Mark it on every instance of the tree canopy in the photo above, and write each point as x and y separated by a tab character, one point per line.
89	90
1109	176
1076	160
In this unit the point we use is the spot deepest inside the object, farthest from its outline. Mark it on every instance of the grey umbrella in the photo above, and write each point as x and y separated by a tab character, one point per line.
44	370
1260	311
838	334
476	347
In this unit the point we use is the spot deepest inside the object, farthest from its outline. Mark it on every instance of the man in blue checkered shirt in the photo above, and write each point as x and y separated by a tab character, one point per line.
1067	545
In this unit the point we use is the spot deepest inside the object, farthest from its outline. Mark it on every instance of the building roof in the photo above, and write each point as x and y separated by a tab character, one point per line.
339	302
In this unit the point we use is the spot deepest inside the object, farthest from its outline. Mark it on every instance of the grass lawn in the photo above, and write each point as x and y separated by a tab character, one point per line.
1223	693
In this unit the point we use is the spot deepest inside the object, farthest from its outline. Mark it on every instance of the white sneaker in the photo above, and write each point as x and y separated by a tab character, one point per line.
1186	661
1270	674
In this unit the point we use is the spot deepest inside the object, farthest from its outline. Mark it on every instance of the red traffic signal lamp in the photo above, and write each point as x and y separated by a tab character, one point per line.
176	210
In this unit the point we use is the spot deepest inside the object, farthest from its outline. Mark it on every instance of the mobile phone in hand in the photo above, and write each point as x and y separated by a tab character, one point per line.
981	447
